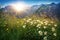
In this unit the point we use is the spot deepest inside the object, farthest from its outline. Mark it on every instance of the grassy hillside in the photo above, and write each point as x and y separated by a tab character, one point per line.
28	28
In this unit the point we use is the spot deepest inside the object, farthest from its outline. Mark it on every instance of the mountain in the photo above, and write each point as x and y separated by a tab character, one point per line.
32	9
29	11
49	10
9	10
58	11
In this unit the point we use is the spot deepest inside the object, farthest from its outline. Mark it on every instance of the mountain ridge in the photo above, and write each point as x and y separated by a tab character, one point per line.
45	10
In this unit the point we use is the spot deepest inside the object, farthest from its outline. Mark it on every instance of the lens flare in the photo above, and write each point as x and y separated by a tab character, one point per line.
19	6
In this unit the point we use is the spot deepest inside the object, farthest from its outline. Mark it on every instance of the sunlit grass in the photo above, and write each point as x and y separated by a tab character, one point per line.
28	28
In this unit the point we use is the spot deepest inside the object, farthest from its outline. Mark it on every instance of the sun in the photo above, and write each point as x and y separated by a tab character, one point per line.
19	7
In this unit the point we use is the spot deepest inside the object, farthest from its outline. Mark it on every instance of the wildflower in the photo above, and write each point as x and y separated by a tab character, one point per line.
29	19
38	20
35	22
44	27
41	22
55	25
24	26
24	19
52	22
45	38
7	29
38	25
40	32
53	29
31	22
45	33
46	23
54	34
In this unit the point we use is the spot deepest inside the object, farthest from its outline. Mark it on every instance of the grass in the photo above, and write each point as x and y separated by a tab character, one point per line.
29	28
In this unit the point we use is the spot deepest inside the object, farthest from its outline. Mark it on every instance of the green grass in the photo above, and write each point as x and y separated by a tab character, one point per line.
12	28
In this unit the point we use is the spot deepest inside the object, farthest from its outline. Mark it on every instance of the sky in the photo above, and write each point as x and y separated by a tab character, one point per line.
29	2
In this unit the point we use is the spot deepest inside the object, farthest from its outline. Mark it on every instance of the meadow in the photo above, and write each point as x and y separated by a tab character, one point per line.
29	28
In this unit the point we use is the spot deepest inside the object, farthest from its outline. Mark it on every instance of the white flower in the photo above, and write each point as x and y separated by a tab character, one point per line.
45	38
41	22
44	27
35	22
52	22
38	20
54	34
24	26
38	25
31	22
29	19
55	25
24	19
40	32
45	33
53	29
46	23
7	29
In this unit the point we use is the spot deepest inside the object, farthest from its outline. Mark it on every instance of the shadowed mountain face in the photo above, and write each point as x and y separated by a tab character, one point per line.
49	10
44	10
58	11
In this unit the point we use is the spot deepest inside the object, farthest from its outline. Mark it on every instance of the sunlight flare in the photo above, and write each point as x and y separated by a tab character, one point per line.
20	6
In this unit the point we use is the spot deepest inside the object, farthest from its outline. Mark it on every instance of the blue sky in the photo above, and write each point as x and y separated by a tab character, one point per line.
6	2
